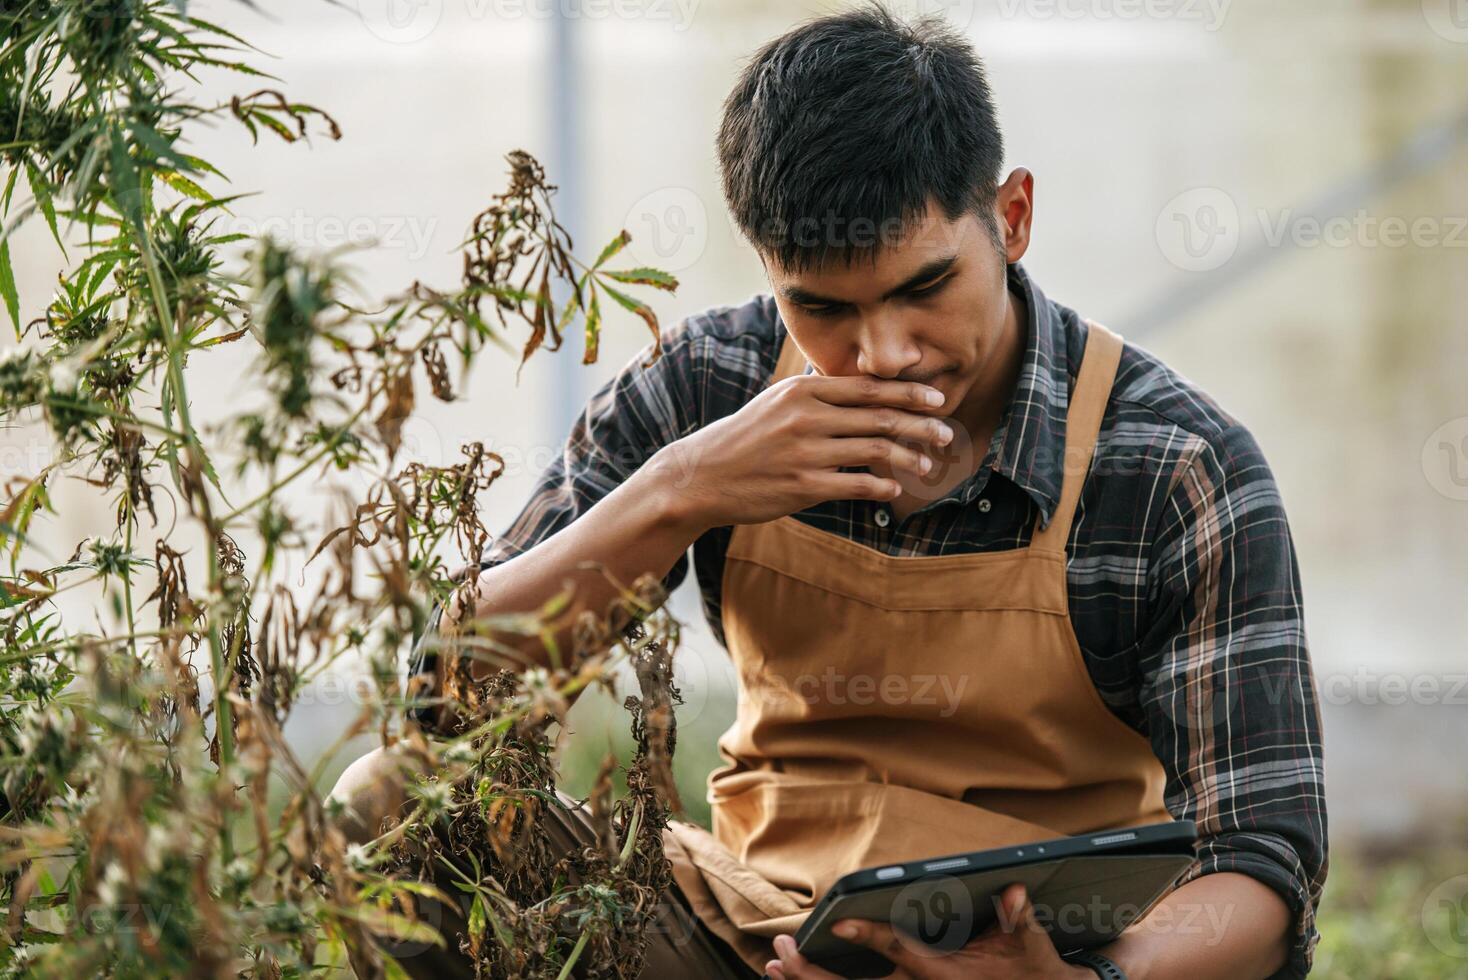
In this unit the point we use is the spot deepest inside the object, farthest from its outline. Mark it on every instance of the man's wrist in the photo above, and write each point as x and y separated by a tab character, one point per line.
664	482
1075	971
1094	963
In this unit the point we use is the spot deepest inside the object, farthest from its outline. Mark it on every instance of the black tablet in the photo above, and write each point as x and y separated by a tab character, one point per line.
1085	889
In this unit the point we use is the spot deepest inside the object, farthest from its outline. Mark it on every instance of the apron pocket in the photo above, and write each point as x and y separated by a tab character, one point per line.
802	835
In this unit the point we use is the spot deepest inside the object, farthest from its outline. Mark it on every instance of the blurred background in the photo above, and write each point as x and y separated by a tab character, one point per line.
1271	197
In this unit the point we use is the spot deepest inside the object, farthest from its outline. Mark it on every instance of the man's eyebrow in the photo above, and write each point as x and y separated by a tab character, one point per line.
930	270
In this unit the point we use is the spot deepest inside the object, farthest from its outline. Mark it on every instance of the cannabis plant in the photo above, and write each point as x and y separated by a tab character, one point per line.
154	822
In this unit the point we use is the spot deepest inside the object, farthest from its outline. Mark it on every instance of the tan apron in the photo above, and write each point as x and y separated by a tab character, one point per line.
899	708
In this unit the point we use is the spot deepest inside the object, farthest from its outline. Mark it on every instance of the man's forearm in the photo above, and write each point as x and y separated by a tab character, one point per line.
1221	926
639	528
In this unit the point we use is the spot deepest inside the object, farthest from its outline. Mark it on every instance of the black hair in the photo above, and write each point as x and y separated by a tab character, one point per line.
838	133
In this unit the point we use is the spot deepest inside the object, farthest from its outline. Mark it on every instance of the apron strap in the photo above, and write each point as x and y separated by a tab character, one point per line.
1082	425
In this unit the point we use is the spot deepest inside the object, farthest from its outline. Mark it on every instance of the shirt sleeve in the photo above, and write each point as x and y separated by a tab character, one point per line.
1227	685
625	421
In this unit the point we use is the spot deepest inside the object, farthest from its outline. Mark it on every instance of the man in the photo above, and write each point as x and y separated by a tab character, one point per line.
987	574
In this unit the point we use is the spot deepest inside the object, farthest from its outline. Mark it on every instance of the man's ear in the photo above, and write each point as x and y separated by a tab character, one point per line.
1014	206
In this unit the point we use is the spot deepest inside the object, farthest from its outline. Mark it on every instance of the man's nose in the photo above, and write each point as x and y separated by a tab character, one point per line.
885	351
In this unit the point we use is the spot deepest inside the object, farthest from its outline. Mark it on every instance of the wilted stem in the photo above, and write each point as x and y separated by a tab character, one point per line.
631	842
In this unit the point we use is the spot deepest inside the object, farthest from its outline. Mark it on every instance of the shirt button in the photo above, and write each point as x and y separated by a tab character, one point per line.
883	518
985	505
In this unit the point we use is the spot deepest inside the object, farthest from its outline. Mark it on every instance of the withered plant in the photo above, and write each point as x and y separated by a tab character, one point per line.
140	736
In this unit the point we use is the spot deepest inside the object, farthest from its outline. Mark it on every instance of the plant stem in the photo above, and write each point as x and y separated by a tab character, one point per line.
575	955
632	827
127	581
305	465
223	718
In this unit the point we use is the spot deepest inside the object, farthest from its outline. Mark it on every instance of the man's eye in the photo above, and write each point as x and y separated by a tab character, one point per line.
930	288
827	310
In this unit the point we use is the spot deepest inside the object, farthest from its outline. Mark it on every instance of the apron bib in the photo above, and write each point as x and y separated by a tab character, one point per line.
899	708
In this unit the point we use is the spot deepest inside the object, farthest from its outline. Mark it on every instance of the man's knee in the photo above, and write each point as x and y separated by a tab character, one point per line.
373	792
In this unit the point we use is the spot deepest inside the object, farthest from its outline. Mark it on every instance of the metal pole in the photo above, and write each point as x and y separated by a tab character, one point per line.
569	390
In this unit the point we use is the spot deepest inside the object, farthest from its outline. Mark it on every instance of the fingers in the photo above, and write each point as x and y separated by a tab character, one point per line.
881	938
1036	936
853	390
871	450
853	486
1017	912
792	966
873	436
1018	923
1010	909
893	423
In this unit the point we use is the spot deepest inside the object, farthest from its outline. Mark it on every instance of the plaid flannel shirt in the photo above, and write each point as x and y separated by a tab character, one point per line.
1183	582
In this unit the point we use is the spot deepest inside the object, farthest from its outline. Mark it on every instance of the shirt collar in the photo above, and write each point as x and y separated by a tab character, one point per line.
1028	447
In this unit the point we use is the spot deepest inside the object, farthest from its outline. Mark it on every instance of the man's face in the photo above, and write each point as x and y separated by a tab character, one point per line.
930	307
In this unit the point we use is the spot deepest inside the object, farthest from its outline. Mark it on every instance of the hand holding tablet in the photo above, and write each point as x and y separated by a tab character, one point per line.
1085	890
